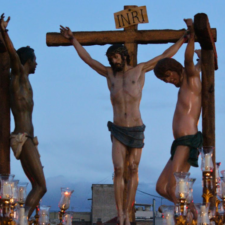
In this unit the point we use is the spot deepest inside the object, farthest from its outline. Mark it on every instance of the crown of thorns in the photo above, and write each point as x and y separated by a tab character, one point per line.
117	49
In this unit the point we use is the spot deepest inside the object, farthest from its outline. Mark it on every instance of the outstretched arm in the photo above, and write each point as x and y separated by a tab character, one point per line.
172	50
84	55
192	72
190	68
15	61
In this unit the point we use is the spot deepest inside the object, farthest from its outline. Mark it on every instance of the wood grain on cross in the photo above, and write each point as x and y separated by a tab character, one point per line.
131	37
209	54
4	110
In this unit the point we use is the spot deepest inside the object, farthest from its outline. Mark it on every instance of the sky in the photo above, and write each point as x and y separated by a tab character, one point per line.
72	102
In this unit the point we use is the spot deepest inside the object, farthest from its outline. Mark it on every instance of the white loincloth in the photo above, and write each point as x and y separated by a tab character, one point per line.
17	141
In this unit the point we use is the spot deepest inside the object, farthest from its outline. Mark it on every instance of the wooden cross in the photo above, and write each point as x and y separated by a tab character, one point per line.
4	110
131	37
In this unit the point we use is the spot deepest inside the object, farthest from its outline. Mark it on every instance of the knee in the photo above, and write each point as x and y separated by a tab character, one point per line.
133	169
161	190
118	171
41	190
170	190
44	189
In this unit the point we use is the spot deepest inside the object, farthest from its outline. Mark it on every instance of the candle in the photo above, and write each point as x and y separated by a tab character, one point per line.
169	219
44	217
223	189
204	215
68	219
14	192
65	201
6	190
207	162
21	195
182	188
21	215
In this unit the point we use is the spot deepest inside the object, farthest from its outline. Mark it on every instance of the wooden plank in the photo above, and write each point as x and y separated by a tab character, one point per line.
130	16
204	34
4	112
132	50
209	64
208	108
113	37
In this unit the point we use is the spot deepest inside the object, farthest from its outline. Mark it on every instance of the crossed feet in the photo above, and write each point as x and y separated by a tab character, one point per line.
123	218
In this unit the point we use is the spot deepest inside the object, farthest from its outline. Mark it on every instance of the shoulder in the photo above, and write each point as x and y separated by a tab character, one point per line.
194	82
140	65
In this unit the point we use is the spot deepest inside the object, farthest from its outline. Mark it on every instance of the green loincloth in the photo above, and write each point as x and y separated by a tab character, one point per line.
193	142
132	137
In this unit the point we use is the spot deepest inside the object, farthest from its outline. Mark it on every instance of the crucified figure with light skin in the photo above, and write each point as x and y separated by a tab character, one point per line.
184	150
125	84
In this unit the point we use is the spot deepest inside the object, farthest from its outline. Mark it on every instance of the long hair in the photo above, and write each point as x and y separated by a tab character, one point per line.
166	64
120	49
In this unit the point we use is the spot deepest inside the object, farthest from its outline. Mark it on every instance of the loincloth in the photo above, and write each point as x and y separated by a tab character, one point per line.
132	137
17	141
193	142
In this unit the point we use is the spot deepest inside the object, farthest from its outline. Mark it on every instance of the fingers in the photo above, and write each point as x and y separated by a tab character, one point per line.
8	19
64	28
2	16
188	22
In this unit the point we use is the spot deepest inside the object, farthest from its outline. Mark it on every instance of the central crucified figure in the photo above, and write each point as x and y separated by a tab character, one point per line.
125	84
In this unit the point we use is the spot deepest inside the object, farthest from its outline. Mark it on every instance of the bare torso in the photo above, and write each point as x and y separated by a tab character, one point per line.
188	109
21	102
126	92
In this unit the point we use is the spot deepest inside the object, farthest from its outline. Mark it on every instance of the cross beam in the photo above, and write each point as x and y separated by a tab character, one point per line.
120	37
130	35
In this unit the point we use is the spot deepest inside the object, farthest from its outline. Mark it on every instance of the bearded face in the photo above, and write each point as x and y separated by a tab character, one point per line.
117	62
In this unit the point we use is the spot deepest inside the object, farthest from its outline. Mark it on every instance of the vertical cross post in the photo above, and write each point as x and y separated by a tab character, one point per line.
4	110
132	49
209	64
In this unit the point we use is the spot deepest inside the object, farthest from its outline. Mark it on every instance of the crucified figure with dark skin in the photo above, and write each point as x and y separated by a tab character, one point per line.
184	150
22	140
125	84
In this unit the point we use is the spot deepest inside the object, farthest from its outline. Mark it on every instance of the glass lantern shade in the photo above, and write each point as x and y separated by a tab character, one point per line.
218	172
14	186
22	192
5	189
68	219
182	187
64	202
221	189
223	175
206	162
8	177
168	214
190	187
203	213
23	216
44	215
